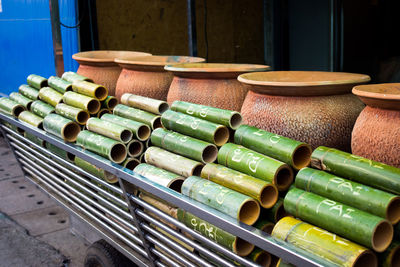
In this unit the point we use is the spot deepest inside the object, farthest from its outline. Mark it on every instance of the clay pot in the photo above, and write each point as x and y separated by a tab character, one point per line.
100	66
211	84
146	76
310	106
376	134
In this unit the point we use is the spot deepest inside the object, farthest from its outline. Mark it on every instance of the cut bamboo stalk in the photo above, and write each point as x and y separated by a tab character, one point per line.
391	256
31	119
90	89
135	148
275	213
130	163
61	127
261	257
10	107
109	129
140	130
159	204
145	103
264	225
59	84
35	139
41	108
96	171
141	158
29	92
90	104
60	152
50	96
36	81
110	102
12	127
73	113
21	99
102	112
152	120
282	263
73	76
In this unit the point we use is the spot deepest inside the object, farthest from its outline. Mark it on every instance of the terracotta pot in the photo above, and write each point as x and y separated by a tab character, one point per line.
376	134
211	84
100	66
146	76
310	106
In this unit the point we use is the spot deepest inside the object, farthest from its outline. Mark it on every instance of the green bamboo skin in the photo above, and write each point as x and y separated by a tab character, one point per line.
36	81
41	108
89	104
31	119
275	213
109	129
296	154
195	127
264	225
35	139
264	192
391	256
59	84
368	199
50	96
172	162
103	146
140	130
60	152
255	164
73	76
357	168
356	225
90	89
160	176
144	103
110	102
135	148
73	113
219	236
96	171
130	163
29	92
228	201
322	243
152	120
102	112
229	118
21	99
184	145
10	107
61	127
262	257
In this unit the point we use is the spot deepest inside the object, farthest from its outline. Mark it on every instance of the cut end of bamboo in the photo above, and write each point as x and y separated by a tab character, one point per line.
264	259
249	212
93	106
393	210
163	107
366	259
143	133
268	196
17	109
101	93
82	117
68	88
102	112
126	136
70	157
28	105
110	178
156	123
382	236
242	247
221	136
118	153
131	164
70	131
210	154
395	257
43	84
235	121
176	184
302	156
112	102
283	177
125	98
197	170
267	228
40	125
281	213
135	148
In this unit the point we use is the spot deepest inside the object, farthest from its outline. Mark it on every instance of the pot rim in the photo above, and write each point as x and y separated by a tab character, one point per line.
104	56
156	60
215	67
383	95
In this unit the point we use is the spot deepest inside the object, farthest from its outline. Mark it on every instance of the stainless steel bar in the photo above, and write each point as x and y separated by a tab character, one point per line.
163	257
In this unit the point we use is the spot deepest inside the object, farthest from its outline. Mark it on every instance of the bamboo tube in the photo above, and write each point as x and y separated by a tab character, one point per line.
264	192
61	127
357	168
31	119
144	103
159	204
135	148
172	162
41	108
10	107
371	200
264	225
275	213
282	263
356	225
12	127
141	159
110	102
148	143
195	127
296	154
90	104
255	164
391	256
103	146
109	129
21	99
130	163
140	130
219	236
36	81
73	76
184	145
76	114
60	152
59	84
397	232
261	257
90	89
322	243
102	112
96	171
229	118
152	120
50	96
35	139
29	92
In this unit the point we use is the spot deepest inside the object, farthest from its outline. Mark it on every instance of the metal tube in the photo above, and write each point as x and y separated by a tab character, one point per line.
162	256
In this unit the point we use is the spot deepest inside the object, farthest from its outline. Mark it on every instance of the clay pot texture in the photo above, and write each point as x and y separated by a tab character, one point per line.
146	76
309	106
100	66
210	84
376	134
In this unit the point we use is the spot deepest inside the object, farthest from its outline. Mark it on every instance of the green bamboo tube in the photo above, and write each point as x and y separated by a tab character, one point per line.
110	102
90	89
73	76
31	119
10	107
228	201
296	154
159	204
261	257
160	176
140	130
255	164
152	120
96	171
148	143
73	113
135	148
102	112
264	192
359	226
391	256
13	127
264	225
36	81
275	213
29	92
322	243
109	129
60	152
144	103
21	99
282	263
172	162
59	84
184	145
50	96
195	127
90	104
61	127
130	163
141	158
357	168
371	200
35	139
229	118
41	108
103	146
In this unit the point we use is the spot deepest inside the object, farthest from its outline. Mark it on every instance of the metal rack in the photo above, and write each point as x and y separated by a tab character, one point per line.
143	233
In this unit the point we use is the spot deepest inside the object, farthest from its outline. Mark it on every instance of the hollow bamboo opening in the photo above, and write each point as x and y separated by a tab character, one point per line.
135	148
221	136
28	105
68	88
366	259
112	102
40	125
156	123
143	133
125	136
17	110
110	178
382	236
393	210
163	107
268	196
118	153
93	106
396	257
131	164
82	117
142	159
20	131
263	259
283	178
176	184
70	132
102	112
235	121
101	93
209	154
249	212
268	228
280	213
70	157
242	247
197	170
302	156
43	84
